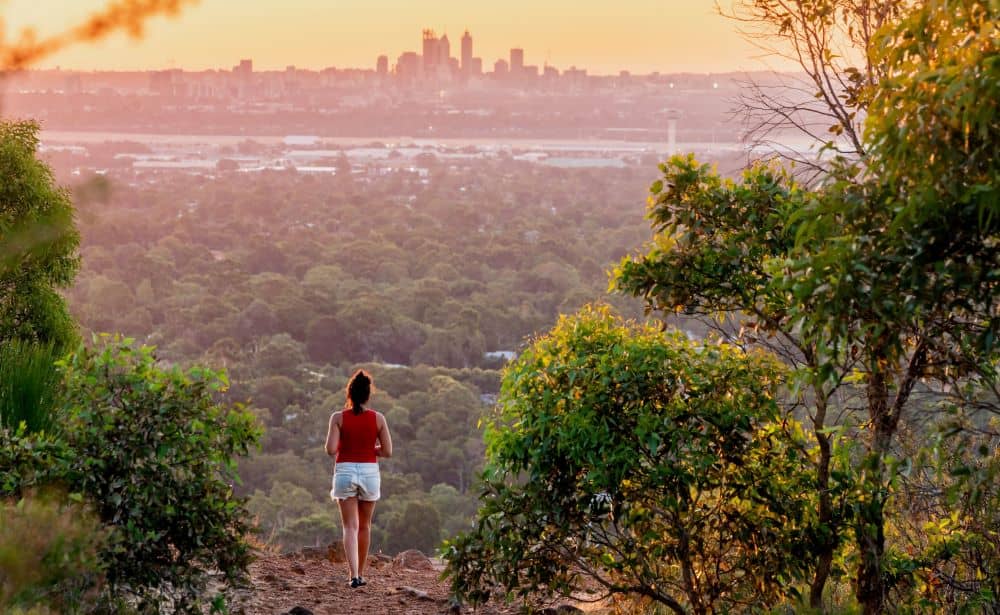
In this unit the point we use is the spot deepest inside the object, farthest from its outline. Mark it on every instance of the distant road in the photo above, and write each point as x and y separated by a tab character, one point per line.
85	137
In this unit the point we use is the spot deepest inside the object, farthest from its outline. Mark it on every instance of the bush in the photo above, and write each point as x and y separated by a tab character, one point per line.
657	467
156	453
48	553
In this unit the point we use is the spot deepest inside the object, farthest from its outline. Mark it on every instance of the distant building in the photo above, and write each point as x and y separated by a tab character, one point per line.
444	51
550	72
245	67
382	66
501	68
516	61
475	67
408	67
467	53
431	55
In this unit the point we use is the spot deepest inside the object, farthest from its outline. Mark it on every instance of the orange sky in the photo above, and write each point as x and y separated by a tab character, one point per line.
603	36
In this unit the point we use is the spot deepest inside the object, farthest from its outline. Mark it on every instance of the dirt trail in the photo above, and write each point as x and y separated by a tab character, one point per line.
308	580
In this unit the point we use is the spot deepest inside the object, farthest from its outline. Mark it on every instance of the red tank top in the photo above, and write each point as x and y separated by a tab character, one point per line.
358	434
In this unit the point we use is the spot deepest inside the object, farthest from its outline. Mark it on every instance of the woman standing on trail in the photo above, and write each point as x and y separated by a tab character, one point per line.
357	437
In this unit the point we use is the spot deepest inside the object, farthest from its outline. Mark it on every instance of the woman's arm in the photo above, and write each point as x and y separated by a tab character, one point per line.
384	448
333	435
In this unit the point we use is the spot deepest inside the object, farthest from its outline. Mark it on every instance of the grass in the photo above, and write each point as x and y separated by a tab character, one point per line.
29	385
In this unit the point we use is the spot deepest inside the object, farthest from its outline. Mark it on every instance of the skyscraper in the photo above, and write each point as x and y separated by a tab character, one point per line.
516	62
382	66
444	50
431	54
466	53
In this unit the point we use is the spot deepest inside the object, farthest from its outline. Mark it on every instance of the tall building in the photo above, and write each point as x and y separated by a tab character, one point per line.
467	53
382	66
431	54
516	61
475	67
408	67
444	50
500	68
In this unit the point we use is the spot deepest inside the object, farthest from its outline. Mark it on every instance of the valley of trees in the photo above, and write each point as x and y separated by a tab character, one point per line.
290	281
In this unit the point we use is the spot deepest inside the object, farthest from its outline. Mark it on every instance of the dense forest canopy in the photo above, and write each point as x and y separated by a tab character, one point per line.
289	280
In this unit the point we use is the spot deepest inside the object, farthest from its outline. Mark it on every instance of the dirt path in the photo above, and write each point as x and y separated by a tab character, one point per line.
310	582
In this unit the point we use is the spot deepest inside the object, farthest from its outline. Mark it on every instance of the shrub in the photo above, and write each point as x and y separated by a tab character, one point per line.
155	452
48	553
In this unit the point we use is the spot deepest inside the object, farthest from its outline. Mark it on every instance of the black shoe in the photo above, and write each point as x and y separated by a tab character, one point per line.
361	581
356	582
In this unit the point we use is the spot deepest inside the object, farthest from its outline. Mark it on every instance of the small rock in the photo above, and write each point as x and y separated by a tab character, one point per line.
414	560
298	610
414	592
335	553
298	569
377	560
314	553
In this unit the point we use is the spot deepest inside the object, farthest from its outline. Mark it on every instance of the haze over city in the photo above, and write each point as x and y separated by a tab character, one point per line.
639	36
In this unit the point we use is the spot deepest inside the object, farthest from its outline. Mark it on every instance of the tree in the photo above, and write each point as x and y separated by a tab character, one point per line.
38	243
128	16
658	467
874	284
831	41
417	527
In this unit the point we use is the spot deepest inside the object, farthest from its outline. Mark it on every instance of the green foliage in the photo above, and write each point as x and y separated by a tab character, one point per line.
29	385
38	243
48	553
658	466
418	527
879	285
155	452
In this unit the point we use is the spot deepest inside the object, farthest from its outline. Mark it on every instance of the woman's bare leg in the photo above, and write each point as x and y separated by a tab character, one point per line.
349	520
365	512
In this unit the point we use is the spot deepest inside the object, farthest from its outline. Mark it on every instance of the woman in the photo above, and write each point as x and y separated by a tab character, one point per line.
357	437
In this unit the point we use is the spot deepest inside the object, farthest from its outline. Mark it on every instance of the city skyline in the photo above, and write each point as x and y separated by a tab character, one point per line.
640	36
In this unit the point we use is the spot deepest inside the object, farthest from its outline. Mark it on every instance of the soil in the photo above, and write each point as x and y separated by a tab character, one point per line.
310	581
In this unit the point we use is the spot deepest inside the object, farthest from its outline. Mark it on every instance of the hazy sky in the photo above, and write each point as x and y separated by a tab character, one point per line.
603	36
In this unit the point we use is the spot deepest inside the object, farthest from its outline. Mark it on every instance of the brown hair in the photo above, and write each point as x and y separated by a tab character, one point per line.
359	390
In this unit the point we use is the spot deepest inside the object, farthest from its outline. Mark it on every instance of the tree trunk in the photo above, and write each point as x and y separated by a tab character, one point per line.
824	555
870	525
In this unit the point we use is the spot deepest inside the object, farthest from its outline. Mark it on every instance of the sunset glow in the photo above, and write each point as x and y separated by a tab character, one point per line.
605	37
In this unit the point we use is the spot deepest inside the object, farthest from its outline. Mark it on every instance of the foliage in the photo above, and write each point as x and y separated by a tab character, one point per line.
417	527
878	285
721	252
155	452
656	466
29	386
48	553
38	243
934	130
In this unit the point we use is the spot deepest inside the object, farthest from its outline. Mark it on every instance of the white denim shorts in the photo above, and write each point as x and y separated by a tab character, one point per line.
361	480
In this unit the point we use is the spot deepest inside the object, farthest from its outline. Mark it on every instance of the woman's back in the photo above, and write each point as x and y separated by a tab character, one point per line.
358	436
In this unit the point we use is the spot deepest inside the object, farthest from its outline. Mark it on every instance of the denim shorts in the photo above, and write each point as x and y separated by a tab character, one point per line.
360	480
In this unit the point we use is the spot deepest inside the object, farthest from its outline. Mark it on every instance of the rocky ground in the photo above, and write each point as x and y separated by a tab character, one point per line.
309	583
